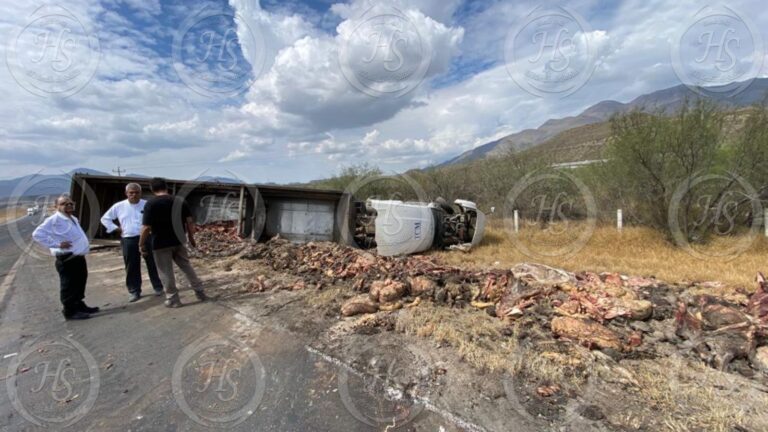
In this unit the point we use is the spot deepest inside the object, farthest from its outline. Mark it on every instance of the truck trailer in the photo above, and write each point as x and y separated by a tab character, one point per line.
300	214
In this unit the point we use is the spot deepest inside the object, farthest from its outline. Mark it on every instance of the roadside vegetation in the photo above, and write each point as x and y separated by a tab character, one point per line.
637	250
695	179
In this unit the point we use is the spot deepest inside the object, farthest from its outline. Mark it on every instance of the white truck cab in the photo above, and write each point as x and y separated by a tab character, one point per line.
401	228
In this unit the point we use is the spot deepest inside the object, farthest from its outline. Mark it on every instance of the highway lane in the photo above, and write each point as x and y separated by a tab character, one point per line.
14	237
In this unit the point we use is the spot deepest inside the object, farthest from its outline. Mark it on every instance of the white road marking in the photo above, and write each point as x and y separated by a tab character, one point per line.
456	420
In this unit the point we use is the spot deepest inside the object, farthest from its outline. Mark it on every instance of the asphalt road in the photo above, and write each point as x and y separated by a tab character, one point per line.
14	236
142	367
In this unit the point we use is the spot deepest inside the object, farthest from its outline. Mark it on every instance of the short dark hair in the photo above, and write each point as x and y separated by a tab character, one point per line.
158	184
63	197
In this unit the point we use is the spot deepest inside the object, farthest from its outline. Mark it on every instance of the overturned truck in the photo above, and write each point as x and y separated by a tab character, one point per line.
399	228
300	214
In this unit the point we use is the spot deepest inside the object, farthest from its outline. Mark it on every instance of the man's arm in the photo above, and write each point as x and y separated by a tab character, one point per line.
107	219
146	230
43	234
189	222
191	227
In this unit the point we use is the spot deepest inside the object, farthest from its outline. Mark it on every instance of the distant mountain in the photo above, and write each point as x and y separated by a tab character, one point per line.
52	184
667	100
86	171
583	143
216	179
41	184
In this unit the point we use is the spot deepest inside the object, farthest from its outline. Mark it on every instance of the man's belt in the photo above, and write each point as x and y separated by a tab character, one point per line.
67	255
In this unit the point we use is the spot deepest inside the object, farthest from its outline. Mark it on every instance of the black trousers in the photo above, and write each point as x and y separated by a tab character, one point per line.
132	259
73	275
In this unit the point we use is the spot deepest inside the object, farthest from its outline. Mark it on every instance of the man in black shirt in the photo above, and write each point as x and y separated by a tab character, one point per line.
169	220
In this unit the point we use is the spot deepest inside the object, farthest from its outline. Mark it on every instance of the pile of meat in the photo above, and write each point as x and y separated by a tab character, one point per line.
617	314
383	280
217	239
387	283
587	308
719	331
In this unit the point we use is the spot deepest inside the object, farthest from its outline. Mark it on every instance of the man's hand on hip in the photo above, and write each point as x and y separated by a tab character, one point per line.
65	245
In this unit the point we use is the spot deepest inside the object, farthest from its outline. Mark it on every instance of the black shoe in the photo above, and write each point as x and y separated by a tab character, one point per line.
89	310
159	292
77	316
201	296
134	297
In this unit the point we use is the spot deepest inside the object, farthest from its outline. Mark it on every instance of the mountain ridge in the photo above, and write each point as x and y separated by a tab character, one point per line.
54	184
664	100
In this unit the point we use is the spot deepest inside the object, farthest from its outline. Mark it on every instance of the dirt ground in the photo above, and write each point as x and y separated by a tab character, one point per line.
534	348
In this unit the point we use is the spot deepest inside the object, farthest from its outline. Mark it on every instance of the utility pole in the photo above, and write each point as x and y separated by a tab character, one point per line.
118	171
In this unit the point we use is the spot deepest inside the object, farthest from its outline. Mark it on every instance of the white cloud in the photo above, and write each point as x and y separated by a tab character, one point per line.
172	127
302	117
307	82
235	155
66	122
371	137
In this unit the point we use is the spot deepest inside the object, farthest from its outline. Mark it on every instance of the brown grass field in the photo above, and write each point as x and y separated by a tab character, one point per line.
635	251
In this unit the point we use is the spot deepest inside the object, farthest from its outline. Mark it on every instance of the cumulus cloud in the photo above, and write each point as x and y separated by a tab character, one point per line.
304	114
235	155
306	79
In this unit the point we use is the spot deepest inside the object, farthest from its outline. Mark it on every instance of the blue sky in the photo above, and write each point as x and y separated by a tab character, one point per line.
290	91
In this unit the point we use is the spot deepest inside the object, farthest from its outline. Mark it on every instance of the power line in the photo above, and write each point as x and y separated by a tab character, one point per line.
118	171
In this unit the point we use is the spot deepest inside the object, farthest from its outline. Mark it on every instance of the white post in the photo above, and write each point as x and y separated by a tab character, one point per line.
517	222
619	220
765	221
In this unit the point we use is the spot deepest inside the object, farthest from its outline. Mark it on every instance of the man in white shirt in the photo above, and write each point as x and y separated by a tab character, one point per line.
62	235
129	214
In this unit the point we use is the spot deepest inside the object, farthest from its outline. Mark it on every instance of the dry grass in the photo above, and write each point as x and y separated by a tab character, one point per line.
327	297
689	397
11	213
635	251
477	338
474	335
